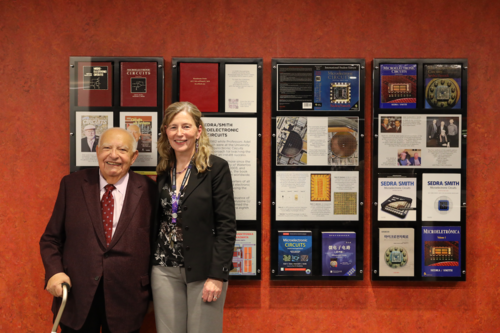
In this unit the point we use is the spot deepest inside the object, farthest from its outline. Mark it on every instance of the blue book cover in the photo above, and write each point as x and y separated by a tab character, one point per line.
295	253
336	88
443	86
339	253
441	252
398	86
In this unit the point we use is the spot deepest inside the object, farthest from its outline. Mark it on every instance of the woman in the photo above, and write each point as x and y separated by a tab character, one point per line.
194	234
403	159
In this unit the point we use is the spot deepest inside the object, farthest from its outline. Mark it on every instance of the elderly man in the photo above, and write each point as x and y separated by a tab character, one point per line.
415	160
97	240
90	142
453	134
136	132
432	130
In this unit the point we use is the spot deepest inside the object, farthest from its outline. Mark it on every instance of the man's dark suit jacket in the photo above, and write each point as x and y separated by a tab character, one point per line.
74	243
209	222
85	145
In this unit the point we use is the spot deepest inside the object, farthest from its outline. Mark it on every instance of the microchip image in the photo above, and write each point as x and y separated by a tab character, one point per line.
340	93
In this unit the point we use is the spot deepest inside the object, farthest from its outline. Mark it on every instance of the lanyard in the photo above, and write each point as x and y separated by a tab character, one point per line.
176	198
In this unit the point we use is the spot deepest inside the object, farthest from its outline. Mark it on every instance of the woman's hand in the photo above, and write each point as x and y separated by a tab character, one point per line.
211	290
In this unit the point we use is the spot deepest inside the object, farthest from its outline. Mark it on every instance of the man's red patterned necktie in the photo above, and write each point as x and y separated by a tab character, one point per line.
107	208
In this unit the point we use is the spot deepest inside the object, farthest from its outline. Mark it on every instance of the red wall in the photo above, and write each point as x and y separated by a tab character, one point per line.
38	37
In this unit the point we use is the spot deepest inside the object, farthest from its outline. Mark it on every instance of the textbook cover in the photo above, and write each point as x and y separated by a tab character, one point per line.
443	85
339	253
396	252
398	86
295	253
244	256
441	253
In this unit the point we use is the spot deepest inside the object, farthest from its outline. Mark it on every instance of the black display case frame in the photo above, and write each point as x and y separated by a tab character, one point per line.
418	171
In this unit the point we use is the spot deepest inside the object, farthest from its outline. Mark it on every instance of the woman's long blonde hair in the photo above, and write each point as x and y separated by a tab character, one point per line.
167	154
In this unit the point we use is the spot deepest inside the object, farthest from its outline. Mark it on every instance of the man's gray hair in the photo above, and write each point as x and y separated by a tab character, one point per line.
134	143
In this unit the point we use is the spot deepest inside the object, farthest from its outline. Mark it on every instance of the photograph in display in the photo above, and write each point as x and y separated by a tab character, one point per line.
241	88
441	197
443	85
138	83
339	253
318	87
398	86
244	254
95	81
89	127
317	141
294	253
427	141
396	252
398	199
441	252
144	127
199	84
443	132
307	196
234	139
391	124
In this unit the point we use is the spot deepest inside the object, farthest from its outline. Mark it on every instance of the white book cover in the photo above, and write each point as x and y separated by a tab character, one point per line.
441	197
396	252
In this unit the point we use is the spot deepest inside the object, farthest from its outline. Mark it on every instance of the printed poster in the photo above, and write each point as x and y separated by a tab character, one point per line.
317	141
317	196
420	141
234	139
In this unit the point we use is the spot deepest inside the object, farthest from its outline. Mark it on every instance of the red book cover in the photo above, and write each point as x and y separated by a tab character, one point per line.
95	84
138	83
199	84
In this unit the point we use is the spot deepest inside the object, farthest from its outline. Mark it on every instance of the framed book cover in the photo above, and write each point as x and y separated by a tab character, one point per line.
397	252
441	252
199	84
441	197
95	84
144	128
399	199
398	86
339	253
245	253
241	88
443	85
138	83
318	87
89	127
295	253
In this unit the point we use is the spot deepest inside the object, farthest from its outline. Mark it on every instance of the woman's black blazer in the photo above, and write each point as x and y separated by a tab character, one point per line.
208	221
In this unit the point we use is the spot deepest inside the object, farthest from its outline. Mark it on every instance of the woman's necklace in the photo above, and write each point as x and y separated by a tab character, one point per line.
183	169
